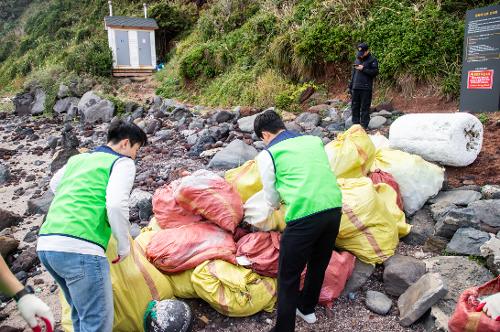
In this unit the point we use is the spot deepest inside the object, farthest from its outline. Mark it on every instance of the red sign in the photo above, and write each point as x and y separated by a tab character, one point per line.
480	79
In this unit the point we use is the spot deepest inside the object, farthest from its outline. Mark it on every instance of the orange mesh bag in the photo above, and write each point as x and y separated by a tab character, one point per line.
379	176
178	249
260	251
466	319
336	275
207	194
167	211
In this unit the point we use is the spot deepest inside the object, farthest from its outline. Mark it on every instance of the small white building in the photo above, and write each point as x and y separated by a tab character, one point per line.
132	41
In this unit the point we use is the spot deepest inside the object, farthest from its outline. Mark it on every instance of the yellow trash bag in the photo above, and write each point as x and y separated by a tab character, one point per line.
153	225
262	216
418	179
233	290
351	154
371	220
135	282
246	179
182	285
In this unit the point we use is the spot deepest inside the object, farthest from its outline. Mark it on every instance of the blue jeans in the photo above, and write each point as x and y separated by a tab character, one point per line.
86	284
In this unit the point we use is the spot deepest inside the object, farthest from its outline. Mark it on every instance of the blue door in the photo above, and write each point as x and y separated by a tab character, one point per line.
144	48
122	51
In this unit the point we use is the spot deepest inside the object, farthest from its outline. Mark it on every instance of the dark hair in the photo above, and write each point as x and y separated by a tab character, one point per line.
120	130
268	121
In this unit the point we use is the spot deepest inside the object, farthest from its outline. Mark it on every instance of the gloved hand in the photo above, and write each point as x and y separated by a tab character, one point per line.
30	307
491	306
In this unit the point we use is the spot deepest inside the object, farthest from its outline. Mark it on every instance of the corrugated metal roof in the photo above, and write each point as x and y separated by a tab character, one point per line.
126	21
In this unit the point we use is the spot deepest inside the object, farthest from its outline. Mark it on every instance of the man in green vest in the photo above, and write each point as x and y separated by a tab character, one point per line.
91	203
295	169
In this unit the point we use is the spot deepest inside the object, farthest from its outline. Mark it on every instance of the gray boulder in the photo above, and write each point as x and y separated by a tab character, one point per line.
164	135
41	204
491	192
63	105
197	123
435	244
203	139
246	123
457	197
400	272
359	276
488	213
454	219
63	91
93	108
151	126
234	155
440	210
378	302
8	219
4	173
180	113
292	126
422	228
420	297
26	261
22	103
376	122
38	105
467	241
308	121
140	203
223	116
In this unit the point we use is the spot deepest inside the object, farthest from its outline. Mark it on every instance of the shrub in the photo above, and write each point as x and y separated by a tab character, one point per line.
205	60
93	57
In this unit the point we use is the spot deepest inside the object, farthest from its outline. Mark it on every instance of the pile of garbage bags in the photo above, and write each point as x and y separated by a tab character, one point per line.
218	239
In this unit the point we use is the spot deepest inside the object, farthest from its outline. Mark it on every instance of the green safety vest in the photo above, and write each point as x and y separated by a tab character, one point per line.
79	206
304	179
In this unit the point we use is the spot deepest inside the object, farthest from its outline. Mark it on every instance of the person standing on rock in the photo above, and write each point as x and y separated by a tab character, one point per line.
30	307
364	70
91	202
295	169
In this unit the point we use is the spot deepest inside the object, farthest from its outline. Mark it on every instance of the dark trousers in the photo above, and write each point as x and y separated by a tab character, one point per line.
310	241
360	105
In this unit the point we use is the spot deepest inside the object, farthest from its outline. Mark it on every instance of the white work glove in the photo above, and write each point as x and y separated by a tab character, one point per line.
30	307
491	306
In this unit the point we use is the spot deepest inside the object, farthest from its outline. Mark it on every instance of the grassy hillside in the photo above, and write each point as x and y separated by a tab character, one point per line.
229	52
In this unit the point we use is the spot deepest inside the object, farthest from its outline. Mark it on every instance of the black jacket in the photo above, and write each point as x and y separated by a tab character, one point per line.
363	79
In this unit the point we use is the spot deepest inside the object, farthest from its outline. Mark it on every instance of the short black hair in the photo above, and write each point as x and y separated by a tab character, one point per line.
268	121
120	130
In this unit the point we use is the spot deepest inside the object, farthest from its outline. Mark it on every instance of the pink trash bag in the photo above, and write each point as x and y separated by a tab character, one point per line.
261	250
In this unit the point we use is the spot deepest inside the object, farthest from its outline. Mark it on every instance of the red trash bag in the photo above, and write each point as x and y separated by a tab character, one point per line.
466	319
379	176
262	250
167	211
336	275
179	249
207	194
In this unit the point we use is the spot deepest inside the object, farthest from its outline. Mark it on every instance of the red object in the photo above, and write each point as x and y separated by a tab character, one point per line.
336	275
480	79
168	212
263	250
46	328
207	194
379	176
178	249
468	315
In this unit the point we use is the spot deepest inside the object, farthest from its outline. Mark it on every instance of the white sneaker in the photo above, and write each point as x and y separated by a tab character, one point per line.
311	318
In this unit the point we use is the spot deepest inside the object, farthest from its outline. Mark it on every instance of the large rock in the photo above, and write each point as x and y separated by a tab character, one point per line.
488	213
435	244
61	157
400	272
378	302
93	108
308	121
467	241
38	105
491	250
203	140
4	173
25	261
491	192
246	124
140	203
422	227
41	204
376	122
180	113
457	197
63	91
234	155
359	276
66	104
318	108
223	116
7	245
454	219
458	273
22	103
420	296
8	219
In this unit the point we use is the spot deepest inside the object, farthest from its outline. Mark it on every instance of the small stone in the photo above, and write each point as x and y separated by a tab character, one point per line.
435	244
308	121
362	271
420	297
378	302
318	108
491	192
53	288
4	174
7	245
467	241
25	261
222	116
377	122
8	219
400	272
40	205
31	236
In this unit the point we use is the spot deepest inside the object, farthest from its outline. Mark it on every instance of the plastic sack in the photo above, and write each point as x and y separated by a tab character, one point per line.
453	139
207	194
418	179
371	221
245	179
465	317
262	215
233	290
168	315
167	211
379	176
130	302
337	273
182	287
261	250
379	141
178	249
351	154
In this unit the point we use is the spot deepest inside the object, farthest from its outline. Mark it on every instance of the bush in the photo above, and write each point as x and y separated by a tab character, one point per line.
93	57
205	60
